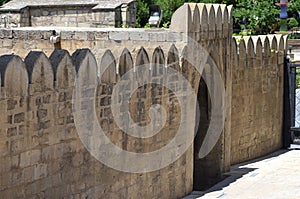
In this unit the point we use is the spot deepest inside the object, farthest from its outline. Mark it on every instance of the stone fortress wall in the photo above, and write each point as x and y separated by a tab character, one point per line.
257	96
40	152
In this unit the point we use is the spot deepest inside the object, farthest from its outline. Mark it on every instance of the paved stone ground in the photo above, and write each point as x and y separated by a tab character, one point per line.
276	176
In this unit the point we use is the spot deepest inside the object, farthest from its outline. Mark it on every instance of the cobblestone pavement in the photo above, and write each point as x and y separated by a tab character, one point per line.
276	176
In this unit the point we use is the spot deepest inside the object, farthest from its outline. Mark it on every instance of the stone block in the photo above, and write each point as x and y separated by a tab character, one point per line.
81	35
20	34
18	118
60	12
35	12
90	35
11	132
5	33
40	171
81	19
45	12
157	36
64	19
67	35
71	175
11	104
118	35
54	152
42	113
70	12
53	12
174	37
28	174
83	25
7	43
30	158
56	192
47	35
101	35
72	19
78	159
5	182
21	130
139	36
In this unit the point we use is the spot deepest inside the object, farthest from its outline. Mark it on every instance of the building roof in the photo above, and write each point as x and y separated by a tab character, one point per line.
16	5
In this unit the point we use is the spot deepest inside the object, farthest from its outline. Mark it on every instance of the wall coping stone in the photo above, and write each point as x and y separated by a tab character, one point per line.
77	33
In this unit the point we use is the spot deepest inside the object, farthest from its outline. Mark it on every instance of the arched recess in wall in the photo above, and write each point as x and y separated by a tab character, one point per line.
125	62
86	67
173	79
142	65
212	21
173	58
64	69
173	63
13	76
83	95
126	73
108	73
207	171
142	94
157	90
108	79
185	63
158	62
40	70
204	28
196	24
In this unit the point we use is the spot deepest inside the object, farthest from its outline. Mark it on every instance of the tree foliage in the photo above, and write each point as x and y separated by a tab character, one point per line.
3	2
168	7
259	16
293	23
294	8
142	14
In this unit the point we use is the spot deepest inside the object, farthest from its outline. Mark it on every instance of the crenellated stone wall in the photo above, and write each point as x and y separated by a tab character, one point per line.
257	96
42	154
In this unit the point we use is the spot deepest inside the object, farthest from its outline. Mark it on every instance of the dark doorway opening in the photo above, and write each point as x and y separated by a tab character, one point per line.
207	171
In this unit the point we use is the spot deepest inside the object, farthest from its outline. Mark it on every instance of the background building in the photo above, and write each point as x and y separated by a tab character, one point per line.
69	13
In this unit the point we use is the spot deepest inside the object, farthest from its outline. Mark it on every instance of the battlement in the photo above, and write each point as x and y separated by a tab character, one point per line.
38	73
261	43
259	47
211	21
16	74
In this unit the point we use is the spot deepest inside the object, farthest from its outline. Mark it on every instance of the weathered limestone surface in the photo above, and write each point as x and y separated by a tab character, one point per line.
41	154
257	96
101	13
22	40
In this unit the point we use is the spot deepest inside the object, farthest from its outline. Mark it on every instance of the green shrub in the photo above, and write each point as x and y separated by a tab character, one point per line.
294	36
297	78
293	23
